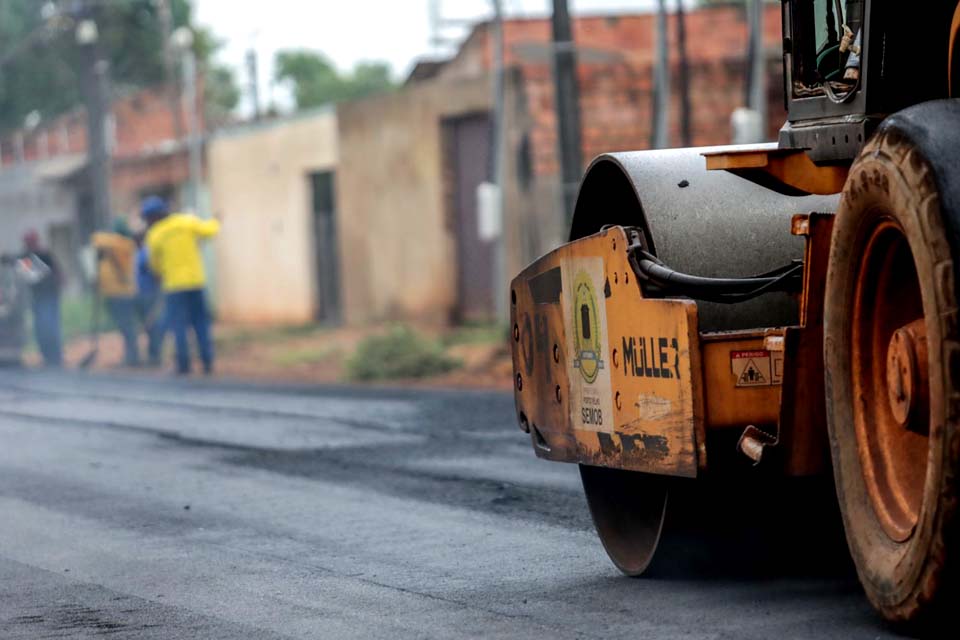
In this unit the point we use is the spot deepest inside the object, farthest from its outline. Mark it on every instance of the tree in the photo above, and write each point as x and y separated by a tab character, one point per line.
316	81
35	74
37	69
221	95
371	77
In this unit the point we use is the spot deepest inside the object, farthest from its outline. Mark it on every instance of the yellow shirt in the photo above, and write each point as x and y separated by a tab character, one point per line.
115	269
173	246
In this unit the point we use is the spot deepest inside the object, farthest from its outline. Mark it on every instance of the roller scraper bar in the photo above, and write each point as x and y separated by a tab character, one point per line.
667	282
662	281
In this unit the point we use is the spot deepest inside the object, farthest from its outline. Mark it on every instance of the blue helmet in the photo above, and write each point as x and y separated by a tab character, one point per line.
153	207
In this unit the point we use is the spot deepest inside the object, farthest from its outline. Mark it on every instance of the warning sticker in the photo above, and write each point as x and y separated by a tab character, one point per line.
776	367
754	368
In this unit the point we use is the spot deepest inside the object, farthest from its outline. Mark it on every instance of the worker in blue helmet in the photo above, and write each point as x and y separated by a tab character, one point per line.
153	208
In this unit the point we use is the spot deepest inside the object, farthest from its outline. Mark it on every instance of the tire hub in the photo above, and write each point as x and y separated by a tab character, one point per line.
907	390
890	379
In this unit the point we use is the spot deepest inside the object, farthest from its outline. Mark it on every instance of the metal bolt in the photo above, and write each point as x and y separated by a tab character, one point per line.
524	422
903	376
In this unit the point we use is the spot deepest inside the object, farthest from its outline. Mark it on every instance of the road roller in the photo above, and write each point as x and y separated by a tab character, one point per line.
786	309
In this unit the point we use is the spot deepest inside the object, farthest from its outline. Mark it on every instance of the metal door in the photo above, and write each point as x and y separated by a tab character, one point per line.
470	154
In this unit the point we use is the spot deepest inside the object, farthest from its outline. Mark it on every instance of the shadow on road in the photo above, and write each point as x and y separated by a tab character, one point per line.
759	529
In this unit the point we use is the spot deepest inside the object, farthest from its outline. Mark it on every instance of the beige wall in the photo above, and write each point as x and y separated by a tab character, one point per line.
396	244
259	188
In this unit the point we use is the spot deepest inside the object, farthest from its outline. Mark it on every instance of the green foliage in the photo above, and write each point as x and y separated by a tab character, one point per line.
315	80
477	333
76	317
35	74
400	353
41	73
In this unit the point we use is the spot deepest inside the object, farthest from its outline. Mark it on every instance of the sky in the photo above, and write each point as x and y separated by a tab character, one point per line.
349	31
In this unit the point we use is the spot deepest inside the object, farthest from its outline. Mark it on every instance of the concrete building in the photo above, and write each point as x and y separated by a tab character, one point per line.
409	166
43	183
411	161
616	54
272	185
372	213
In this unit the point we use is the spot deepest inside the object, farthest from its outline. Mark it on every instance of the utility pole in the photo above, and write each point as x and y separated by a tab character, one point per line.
182	40
254	83
659	137
684	72
501	310
169	75
749	123
567	99
758	72
94	85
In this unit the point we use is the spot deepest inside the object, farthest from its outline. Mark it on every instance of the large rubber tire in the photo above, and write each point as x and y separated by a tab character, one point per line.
897	490
628	509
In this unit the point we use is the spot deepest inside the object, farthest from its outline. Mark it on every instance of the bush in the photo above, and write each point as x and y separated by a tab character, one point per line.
477	333
400	353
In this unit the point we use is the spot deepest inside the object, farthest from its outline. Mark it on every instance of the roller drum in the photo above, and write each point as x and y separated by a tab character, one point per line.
707	223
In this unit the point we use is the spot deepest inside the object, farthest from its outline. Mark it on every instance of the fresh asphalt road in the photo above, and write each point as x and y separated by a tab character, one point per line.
143	508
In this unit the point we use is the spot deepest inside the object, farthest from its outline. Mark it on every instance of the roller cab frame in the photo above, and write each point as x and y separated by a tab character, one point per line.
793	307
607	375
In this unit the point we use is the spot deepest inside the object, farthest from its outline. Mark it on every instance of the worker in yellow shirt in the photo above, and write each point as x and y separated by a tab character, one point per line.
117	284
173	248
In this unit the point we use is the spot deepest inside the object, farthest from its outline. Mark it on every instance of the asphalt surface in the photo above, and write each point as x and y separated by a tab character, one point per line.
144	508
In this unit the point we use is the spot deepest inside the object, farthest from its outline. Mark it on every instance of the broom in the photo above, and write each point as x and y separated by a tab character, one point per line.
87	361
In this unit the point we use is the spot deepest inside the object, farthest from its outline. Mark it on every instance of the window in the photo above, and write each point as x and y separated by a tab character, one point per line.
825	48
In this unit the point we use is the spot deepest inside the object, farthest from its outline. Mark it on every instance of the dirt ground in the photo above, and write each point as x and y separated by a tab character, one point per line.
313	354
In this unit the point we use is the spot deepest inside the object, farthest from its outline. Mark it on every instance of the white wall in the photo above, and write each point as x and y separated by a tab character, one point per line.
259	188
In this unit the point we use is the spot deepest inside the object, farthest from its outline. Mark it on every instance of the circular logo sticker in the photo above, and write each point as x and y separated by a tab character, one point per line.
586	328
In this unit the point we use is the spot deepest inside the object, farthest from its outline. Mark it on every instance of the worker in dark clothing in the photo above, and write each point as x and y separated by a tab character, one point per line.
149	304
42	274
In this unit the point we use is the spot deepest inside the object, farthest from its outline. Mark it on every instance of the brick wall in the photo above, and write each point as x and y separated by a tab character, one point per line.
143	122
148	149
63	136
615	70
